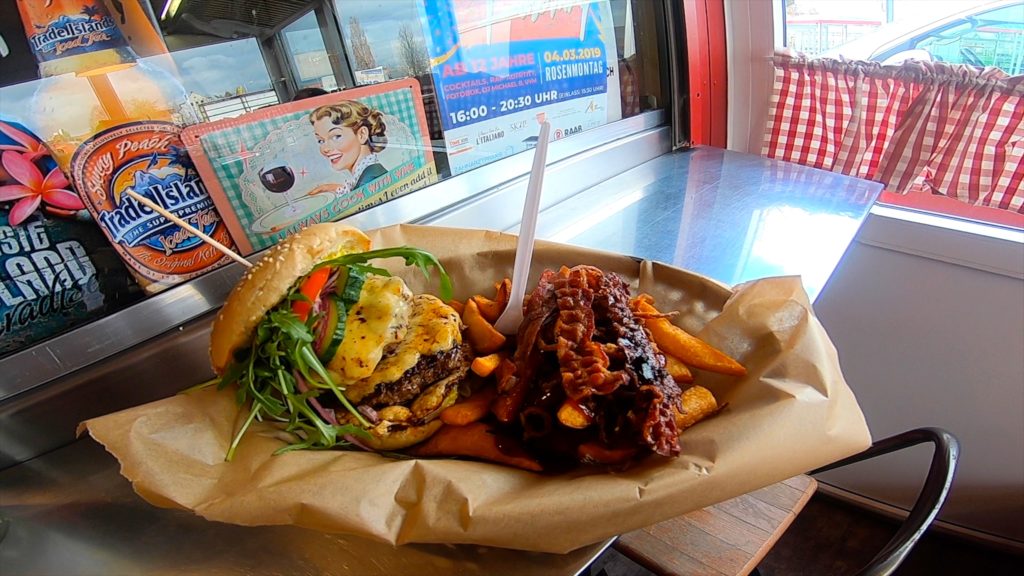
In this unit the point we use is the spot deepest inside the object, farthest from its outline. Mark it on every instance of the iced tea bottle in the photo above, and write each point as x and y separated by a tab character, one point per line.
113	122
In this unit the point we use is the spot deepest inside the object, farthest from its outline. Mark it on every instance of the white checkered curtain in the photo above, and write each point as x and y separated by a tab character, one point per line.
921	127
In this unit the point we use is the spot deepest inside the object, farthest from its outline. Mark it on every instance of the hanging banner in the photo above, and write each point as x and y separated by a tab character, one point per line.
502	68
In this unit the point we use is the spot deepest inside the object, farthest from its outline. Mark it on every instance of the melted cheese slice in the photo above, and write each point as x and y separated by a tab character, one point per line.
433	327
379	320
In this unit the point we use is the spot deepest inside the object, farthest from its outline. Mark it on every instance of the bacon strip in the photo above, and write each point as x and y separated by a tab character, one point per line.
583	362
578	328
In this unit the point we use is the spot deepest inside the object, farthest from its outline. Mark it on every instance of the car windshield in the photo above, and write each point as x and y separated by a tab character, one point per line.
987	35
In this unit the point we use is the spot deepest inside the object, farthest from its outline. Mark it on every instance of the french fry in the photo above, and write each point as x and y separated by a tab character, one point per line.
503	292
573	416
471	409
678	370
698	403
509	403
475	440
457	306
482	336
505	369
483	366
489	309
507	406
675	341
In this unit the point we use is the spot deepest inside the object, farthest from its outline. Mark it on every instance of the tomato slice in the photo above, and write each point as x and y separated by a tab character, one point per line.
311	288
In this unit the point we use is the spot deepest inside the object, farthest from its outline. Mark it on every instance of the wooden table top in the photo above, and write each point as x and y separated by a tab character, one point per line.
729	538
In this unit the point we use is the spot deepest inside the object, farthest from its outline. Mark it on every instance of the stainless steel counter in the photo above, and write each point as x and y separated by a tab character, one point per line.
729	216
70	512
732	217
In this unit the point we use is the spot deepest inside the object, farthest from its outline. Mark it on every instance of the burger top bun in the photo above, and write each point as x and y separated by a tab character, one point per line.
269	281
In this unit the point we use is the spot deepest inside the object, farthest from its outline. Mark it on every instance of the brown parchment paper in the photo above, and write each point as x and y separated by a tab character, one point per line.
793	412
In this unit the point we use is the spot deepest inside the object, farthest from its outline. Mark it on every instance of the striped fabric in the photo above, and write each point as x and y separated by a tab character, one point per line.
920	127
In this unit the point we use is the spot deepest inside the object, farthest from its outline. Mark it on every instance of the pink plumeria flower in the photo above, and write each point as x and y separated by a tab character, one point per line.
29	146
34	189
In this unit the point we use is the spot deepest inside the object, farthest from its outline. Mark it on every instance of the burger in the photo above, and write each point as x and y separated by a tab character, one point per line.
338	351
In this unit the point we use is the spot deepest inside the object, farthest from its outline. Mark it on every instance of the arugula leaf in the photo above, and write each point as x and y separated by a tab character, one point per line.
413	257
288	322
365	269
234	443
262	375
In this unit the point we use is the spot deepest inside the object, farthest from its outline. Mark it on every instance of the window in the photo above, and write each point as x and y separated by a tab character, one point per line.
993	38
961	32
971	165
307	54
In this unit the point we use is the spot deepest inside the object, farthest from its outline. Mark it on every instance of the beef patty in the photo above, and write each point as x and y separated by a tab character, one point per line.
415	380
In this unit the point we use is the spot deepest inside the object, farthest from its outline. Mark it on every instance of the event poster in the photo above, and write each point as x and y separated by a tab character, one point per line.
279	169
501	68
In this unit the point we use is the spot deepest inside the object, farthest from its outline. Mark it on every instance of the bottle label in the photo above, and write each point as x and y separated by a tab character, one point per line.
55	274
71	28
149	159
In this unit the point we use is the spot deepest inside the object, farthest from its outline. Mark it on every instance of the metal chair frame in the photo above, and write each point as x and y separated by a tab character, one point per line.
929	500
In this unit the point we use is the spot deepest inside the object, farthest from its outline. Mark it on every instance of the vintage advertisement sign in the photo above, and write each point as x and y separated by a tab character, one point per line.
276	170
149	158
503	68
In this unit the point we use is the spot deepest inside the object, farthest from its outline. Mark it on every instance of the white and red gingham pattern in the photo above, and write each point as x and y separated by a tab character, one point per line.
936	128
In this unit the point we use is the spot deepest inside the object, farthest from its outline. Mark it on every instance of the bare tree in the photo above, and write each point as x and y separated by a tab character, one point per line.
412	51
362	53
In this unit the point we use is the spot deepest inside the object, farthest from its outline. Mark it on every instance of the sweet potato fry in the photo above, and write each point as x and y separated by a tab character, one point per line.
505	369
483	366
571	415
698	403
675	341
489	309
482	336
471	409
476	440
457	306
678	370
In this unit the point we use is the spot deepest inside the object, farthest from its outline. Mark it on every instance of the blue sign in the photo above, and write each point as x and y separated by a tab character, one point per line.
488	65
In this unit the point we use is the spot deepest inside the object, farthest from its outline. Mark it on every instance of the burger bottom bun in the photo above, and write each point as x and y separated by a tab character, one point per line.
389	435
396	435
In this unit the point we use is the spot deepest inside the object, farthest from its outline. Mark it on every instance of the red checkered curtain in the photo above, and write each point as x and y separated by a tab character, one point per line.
919	127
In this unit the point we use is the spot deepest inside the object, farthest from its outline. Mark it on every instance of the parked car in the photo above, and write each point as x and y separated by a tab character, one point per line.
991	34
